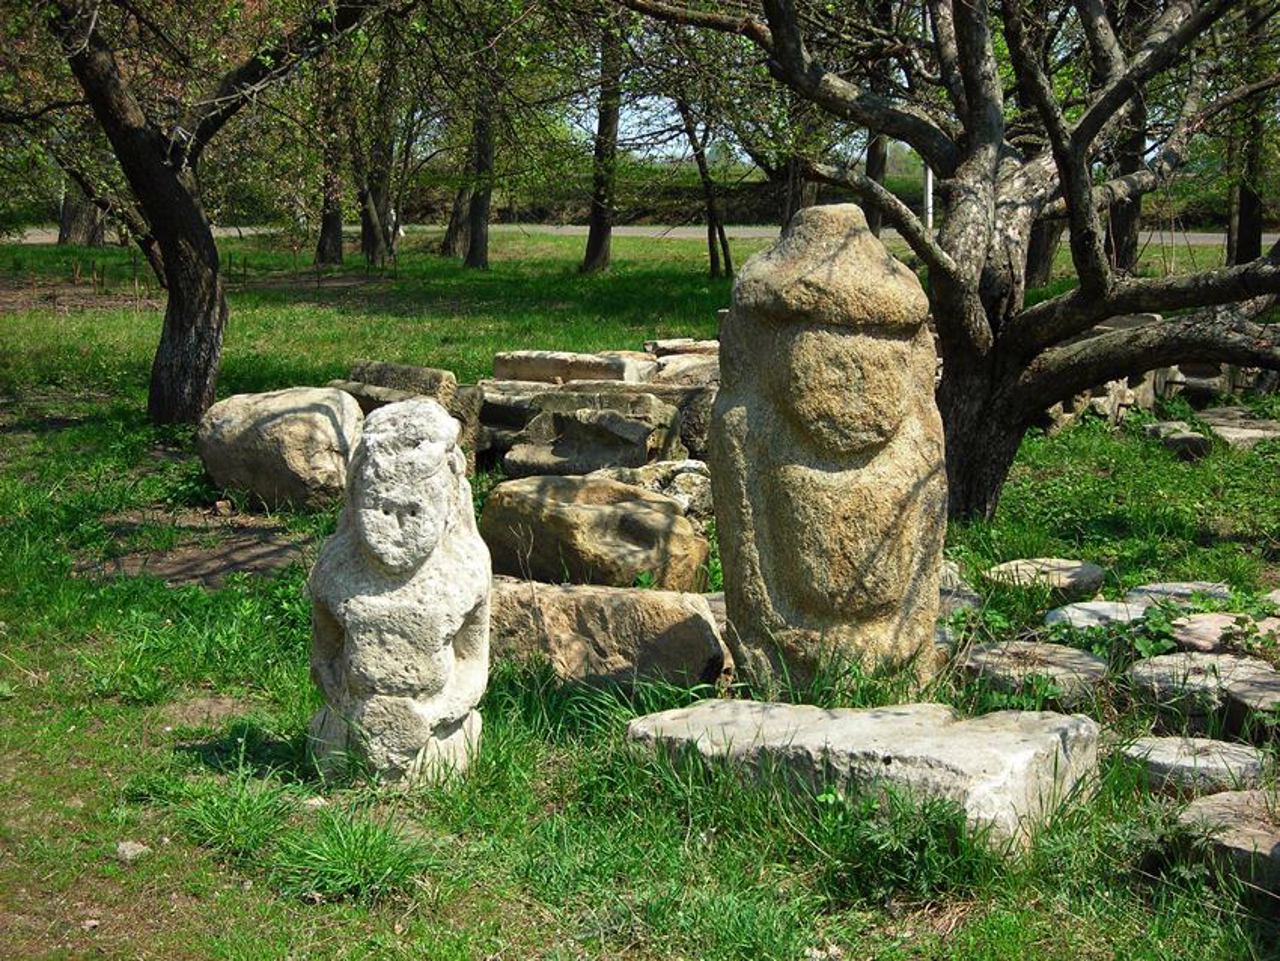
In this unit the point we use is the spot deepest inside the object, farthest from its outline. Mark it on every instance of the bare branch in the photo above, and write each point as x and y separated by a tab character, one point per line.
896	214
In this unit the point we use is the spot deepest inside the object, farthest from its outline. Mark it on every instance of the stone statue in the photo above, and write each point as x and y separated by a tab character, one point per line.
827	455
400	603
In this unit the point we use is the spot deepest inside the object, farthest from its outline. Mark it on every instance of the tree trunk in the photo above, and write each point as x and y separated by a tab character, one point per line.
482	191
373	238
1248	244
877	164
1125	220
717	240
80	222
329	246
457	235
1046	235
799	191
1233	198
604	165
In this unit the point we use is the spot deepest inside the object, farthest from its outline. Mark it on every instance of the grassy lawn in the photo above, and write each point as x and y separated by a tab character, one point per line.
561	842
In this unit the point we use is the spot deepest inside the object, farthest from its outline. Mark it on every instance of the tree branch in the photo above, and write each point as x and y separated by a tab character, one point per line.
896	214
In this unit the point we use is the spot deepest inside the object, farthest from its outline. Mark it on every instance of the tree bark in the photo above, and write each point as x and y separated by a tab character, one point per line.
605	161
717	239
877	164
1124	222
1248	245
80	222
482	190
329	243
457	235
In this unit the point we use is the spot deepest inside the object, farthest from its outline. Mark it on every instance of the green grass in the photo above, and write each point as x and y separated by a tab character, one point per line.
562	841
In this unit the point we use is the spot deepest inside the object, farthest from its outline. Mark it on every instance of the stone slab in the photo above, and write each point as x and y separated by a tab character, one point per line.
559	366
1196	765
1008	770
1199	688
1182	591
1083	615
1070	577
1011	665
1245	833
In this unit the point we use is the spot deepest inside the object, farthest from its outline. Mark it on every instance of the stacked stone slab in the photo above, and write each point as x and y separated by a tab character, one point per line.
592	531
827	454
1204	692
400	604
558	366
1007	770
608	634
579	433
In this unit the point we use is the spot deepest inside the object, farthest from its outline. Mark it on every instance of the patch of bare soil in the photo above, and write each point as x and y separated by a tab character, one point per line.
65	298
206	547
209	711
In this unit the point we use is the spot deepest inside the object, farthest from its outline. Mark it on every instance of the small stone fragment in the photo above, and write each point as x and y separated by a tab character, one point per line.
687	482
1083	615
1196	765
1069	577
1011	666
130	851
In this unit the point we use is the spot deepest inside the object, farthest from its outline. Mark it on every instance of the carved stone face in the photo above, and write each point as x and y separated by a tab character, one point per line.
400	514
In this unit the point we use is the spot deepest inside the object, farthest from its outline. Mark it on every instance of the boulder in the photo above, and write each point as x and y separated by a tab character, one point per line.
608	634
1177	591
287	448
1066	577
687	482
1195	765
827	454
1011	666
1007	770
558	366
1208	691
1083	615
580	433
591	531
1244	831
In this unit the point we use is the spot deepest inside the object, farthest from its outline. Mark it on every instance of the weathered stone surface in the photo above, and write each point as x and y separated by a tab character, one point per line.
286	448
687	482
1196	765
694	404
1245	833
1068	577
591	531
826	460
463	402
464	407
1008	770
1272	597
1208	690
558	366
370	396
1011	665
1179	437
1238	428
718	611
400	604
431	382
608	634
129	851
1166	591
689	370
1083	615
580	433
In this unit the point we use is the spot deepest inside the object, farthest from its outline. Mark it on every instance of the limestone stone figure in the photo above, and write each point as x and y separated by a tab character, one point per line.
827	454
400	603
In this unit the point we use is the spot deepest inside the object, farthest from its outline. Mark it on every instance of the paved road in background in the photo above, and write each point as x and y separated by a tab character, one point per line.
688	232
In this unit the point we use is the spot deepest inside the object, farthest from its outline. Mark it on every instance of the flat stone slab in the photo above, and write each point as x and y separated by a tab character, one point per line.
1196	765
1219	631
1008	770
1083	615
1239	428
559	366
1197	687
1179	437
1179	591
1011	665
1245	833
1071	578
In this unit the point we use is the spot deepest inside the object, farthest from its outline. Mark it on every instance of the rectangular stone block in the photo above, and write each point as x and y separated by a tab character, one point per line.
1008	770
558	366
